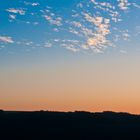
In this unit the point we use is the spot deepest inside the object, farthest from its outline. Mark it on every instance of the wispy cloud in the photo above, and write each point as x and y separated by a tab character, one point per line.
12	17
6	39
16	11
98	39
91	25
123	51
47	45
54	21
123	4
32	4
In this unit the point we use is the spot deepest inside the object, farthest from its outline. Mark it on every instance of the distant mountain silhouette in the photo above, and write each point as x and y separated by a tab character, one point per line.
78	125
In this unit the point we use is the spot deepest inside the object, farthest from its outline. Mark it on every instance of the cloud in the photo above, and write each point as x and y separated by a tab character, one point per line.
16	11
47	45
123	51
94	29
91	25
72	45
123	4
71	48
32	4
97	30
12	16
6	39
95	37
52	17
136	5
54	21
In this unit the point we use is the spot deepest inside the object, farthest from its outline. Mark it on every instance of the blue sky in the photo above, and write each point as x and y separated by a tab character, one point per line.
79	26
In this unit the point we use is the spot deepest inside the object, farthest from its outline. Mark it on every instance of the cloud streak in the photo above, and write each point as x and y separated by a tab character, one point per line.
16	11
6	39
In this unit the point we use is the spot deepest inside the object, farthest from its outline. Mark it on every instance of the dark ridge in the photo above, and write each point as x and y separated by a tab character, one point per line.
1	110
78	125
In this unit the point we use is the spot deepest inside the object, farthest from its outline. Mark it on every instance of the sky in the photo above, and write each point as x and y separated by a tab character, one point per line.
70	55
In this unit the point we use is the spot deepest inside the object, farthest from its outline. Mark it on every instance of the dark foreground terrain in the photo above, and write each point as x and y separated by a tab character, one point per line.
45	125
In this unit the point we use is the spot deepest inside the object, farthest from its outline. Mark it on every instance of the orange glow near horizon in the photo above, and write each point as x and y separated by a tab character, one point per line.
109	85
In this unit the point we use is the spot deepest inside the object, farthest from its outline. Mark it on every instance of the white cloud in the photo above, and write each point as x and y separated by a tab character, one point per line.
126	36
72	45
29	43
96	38
2	46
51	17
55	21
6	39
123	51
136	5
12	17
73	49
90	25
32	4
47	45
16	11
77	24
97	29
35	4
123	4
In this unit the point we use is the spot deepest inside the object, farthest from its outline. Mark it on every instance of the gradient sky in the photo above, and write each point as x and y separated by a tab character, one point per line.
70	55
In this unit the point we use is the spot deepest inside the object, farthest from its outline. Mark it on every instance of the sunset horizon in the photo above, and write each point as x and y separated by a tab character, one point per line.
70	55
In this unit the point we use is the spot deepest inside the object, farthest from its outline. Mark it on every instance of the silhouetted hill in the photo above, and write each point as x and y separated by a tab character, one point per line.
78	125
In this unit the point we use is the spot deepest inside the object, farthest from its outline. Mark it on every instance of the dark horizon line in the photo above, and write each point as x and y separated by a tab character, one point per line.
75	111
